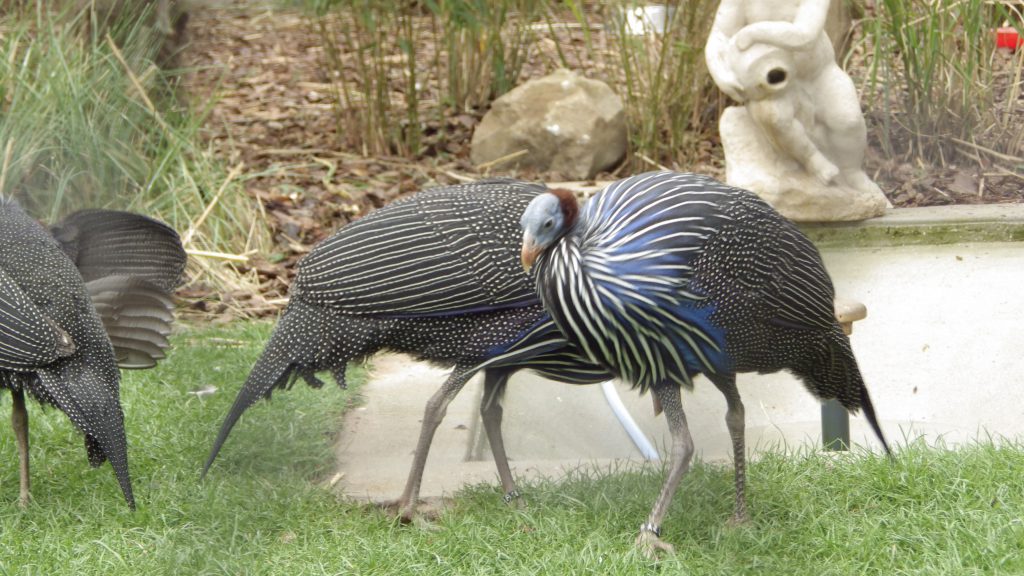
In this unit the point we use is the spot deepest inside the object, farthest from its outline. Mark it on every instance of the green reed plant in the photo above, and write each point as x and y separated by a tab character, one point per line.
671	102
933	73
377	108
68	119
393	62
483	45
88	120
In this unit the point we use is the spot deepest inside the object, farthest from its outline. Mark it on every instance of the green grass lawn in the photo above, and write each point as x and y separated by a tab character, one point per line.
264	508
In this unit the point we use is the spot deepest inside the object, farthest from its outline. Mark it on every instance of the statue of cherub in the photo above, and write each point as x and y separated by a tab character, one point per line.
774	57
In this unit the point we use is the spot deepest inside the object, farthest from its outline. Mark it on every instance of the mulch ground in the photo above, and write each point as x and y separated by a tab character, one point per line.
264	71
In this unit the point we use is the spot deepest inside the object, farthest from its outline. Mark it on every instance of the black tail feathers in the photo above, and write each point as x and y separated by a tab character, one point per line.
112	447
272	370
839	376
869	413
304	342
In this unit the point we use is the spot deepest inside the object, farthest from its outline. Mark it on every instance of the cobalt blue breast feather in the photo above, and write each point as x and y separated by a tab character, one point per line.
634	248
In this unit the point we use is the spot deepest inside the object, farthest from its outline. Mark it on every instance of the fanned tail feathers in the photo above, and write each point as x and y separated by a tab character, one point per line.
136	315
114	243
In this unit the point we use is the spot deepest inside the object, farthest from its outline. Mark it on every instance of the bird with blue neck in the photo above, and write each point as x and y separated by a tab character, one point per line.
664	276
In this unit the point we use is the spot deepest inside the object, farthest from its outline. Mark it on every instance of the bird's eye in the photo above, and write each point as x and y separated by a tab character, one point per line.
548	224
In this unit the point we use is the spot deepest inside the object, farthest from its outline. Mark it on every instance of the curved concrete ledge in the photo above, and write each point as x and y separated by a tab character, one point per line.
927	225
901	226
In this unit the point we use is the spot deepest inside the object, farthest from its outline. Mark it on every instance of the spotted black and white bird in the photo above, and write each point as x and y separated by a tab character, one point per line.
664	276
130	265
53	345
437	276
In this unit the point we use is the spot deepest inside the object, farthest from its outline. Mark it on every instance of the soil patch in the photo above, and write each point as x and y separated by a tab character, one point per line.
262	69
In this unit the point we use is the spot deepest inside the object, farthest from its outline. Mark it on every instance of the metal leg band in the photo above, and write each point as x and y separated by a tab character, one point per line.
648	527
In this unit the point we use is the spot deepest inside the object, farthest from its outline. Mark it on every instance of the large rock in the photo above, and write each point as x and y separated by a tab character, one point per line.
566	123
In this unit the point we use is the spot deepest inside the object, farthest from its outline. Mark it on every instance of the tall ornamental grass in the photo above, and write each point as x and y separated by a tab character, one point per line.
87	120
938	85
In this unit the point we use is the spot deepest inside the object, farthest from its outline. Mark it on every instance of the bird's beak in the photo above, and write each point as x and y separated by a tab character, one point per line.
530	251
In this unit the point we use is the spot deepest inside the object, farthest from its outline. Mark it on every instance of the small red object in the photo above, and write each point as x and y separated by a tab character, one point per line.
1007	37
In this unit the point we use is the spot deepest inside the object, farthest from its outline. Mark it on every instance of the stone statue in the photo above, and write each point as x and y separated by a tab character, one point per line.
799	138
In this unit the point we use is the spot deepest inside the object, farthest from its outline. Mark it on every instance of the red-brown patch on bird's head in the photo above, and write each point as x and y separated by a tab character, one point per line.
569	204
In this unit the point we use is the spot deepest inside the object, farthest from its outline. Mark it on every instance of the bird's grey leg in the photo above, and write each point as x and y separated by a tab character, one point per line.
679	463
19	421
734	420
434	413
163	17
491	413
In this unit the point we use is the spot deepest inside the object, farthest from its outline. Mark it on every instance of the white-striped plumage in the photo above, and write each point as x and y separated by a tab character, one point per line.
52	342
620	283
666	275
416	259
436	276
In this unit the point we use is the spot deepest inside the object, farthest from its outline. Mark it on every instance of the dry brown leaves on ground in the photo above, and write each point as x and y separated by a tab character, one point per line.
262	71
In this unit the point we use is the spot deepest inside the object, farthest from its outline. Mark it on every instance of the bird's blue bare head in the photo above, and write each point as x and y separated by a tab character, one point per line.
546	219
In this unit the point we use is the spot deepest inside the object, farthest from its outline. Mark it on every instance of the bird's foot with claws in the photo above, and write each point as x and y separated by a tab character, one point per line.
650	543
408	513
404	511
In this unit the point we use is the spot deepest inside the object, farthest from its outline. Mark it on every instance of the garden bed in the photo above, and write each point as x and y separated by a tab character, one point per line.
265	71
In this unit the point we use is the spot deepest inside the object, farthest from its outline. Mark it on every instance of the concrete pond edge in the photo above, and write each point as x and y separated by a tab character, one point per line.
926	225
952	224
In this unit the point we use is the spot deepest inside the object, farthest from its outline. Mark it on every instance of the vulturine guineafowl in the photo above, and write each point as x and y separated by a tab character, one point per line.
663	276
437	276
54	344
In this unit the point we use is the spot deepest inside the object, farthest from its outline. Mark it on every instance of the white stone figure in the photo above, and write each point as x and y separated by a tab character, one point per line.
799	138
